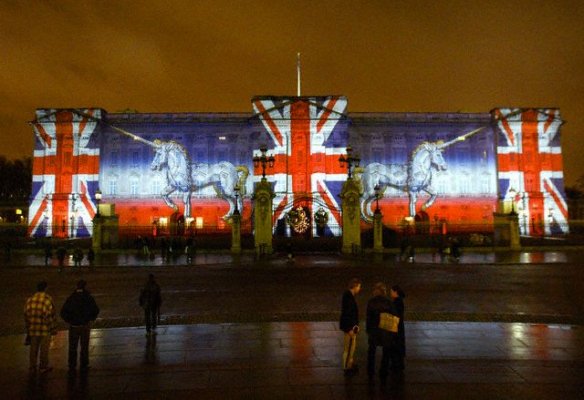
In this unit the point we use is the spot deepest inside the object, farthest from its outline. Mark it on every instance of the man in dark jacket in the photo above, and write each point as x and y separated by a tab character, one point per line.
78	311
150	301
349	324
378	304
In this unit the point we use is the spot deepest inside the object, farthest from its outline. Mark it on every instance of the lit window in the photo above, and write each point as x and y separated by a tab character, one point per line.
113	187
163	222
134	188
156	186
199	223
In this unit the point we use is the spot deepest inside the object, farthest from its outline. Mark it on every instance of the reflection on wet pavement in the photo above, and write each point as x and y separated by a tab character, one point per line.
301	359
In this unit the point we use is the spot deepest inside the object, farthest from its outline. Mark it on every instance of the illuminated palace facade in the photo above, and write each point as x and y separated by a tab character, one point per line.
197	168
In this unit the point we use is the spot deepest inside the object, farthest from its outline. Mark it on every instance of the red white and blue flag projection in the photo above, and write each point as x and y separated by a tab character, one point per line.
531	170
307	175
65	173
165	170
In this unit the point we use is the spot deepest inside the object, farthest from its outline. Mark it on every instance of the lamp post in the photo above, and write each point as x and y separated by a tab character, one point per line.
73	212
350	160
264	160
97	200
236	189
512	192
377	189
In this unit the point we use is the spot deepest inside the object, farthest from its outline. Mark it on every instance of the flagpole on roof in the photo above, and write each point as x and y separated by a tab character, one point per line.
298	73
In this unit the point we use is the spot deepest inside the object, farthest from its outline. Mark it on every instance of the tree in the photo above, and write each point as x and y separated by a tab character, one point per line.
15	180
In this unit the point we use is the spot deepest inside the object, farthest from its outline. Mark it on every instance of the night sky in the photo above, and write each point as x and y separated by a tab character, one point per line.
175	56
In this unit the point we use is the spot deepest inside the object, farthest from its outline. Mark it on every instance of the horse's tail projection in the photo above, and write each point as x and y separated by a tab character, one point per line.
243	173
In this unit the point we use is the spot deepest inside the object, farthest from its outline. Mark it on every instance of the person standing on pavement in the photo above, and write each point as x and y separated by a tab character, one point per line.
150	300
349	324
90	256
77	256
399	350
61	254
48	254
378	337
40	324
79	310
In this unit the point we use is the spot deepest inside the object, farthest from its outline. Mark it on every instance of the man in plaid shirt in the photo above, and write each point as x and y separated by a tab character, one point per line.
40	322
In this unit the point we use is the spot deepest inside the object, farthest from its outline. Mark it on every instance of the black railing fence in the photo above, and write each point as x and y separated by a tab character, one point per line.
17	236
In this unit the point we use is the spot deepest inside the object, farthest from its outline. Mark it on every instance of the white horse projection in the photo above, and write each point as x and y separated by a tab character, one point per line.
412	178
181	176
172	160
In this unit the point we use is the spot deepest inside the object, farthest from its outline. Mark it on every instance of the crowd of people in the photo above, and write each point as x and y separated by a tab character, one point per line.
384	327
61	253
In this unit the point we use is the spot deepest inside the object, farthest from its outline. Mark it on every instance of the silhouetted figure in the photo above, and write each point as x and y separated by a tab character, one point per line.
163	248
79	310
349	324
48	254
289	251
90	256
378	337
455	250
61	254
151	300
399	350
77	256
190	249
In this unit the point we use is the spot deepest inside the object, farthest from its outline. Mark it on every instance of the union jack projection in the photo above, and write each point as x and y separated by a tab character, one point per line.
306	171
65	173
530	168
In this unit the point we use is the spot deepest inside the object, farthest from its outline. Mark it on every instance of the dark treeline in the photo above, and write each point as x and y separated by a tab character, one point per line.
15	179
576	191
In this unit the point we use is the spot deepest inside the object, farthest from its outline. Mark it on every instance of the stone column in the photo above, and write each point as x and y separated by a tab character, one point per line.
515	242
377	232
350	203
97	235
262	206
236	233
507	230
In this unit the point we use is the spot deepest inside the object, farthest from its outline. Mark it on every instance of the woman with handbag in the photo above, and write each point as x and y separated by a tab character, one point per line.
398	352
379	317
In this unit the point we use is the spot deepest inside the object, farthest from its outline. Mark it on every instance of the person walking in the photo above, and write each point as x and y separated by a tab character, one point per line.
150	300
398	352
40	324
349	324
378	337
79	310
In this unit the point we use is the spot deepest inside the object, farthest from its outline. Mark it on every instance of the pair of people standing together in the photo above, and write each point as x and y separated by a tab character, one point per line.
392	343
79	310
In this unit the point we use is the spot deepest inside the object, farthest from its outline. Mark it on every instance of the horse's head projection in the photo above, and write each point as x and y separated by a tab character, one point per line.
412	178
160	156
437	159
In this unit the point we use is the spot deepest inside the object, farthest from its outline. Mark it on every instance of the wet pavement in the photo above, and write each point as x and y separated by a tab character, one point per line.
477	256
301	360
495	325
